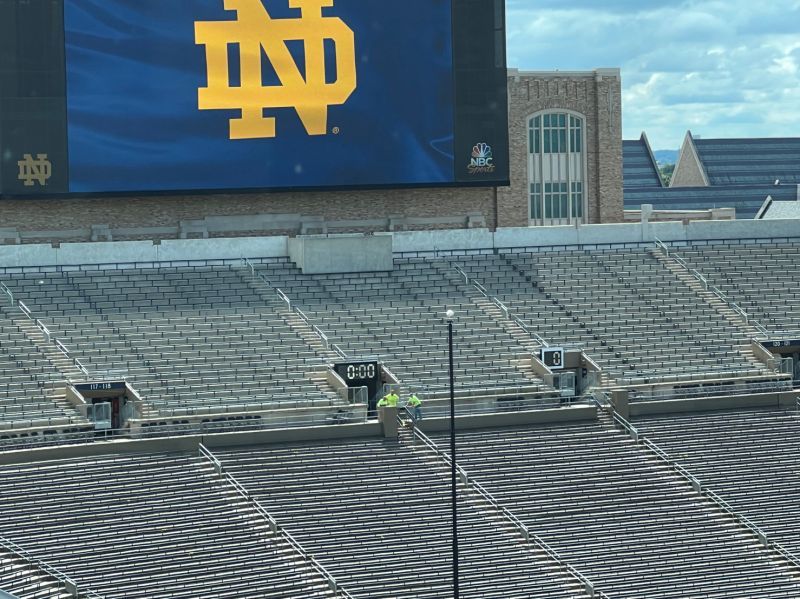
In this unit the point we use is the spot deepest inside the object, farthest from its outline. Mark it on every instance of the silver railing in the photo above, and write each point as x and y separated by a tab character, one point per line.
698	486
292	307
8	440
274	526
529	536
500	305
48	335
713	390
61	579
708	286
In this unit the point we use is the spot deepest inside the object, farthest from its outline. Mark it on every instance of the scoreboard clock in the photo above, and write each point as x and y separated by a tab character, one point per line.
553	357
362	374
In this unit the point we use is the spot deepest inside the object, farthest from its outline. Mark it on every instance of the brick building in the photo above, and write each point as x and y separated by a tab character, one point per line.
566	167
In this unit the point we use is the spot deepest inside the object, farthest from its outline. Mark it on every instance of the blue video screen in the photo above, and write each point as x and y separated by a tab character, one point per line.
163	96
227	94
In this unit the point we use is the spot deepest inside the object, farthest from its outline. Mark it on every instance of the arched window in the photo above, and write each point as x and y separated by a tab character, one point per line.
556	167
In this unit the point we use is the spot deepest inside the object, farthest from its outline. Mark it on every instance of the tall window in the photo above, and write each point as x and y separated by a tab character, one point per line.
556	168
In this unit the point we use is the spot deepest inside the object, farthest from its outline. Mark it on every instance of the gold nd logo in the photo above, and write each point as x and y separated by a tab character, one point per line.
255	30
32	170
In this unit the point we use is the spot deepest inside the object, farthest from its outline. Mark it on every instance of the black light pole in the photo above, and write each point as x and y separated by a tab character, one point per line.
450	315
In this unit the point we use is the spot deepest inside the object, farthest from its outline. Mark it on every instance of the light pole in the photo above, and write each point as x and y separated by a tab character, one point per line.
450	314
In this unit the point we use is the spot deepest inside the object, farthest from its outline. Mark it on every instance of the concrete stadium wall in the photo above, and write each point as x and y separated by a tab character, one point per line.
709	404
189	443
482	421
325	254
405	241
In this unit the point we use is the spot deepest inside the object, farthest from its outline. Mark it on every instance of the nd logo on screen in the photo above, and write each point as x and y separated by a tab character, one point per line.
254	31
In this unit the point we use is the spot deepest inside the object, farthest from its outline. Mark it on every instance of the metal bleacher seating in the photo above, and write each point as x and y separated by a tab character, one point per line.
623	307
399	317
627	523
748	457
188	339
149	525
31	389
376	514
761	277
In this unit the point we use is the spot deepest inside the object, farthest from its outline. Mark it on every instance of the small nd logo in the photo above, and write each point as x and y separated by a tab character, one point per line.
38	170
254	31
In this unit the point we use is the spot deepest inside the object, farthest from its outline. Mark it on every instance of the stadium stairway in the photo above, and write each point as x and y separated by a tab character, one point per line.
377	516
192	340
397	316
32	389
715	302
623	519
150	525
748	457
25	580
760	276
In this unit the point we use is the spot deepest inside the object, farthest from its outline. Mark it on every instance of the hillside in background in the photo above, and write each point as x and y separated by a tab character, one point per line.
666	156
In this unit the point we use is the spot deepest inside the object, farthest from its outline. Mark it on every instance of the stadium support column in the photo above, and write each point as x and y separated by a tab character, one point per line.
453	479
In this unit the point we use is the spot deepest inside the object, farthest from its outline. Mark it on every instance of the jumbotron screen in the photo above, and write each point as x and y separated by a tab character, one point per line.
124	96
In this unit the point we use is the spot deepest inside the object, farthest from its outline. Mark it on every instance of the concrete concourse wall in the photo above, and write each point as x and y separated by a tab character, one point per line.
70	254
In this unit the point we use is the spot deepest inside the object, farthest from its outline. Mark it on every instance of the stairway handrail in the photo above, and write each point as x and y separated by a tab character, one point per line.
529	536
275	527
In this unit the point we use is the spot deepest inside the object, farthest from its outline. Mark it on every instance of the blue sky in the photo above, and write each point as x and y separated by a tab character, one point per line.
722	68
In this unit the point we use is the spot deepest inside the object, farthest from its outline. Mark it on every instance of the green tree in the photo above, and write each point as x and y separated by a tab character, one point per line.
666	170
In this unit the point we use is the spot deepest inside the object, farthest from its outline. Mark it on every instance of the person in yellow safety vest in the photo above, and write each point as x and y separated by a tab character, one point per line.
389	400
415	404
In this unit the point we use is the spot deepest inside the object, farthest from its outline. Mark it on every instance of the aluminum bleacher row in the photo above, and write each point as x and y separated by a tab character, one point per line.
155	526
749	457
628	523
31	388
629	312
398	316
376	514
187	338
762	278
211	339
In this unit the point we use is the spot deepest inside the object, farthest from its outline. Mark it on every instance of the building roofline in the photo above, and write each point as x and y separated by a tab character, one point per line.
653	161
688	141
600	72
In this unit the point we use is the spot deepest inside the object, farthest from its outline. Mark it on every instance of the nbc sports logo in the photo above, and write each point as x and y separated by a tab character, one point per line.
481	161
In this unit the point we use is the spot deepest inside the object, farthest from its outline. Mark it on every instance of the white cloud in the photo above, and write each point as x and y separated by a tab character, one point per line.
724	68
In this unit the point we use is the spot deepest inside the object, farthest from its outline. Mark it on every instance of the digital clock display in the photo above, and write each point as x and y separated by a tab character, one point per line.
362	374
361	371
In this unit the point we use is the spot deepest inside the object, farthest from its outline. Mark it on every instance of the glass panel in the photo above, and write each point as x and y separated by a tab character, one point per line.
564	205
547	120
546	143
537	121
563	140
536	141
562	120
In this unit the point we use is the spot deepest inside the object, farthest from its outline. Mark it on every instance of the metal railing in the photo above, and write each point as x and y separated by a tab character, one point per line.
45	330
61	579
161	430
4	288
708	286
713	390
699	487
500	305
274	526
291	306
530	537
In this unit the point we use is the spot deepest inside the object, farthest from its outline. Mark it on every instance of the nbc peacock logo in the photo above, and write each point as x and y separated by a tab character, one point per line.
481	161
